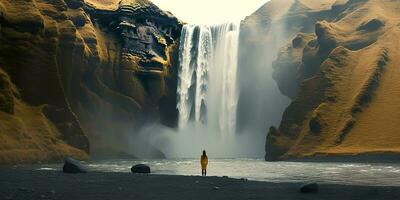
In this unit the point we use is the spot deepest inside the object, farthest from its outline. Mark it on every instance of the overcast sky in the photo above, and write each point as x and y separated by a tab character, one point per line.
210	11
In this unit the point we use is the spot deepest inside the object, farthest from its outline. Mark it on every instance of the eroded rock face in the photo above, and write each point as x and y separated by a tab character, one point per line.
90	73
339	75
140	74
33	37
7	93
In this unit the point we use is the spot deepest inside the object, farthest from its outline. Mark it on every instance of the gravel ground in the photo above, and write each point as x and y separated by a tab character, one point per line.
25	184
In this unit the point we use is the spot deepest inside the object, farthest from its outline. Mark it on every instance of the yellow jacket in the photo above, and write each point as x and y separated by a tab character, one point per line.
204	161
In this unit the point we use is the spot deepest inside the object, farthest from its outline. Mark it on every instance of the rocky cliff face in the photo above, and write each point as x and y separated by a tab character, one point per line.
75	71
339	66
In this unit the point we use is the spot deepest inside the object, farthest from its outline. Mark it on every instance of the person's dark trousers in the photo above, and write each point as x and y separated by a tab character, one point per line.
204	172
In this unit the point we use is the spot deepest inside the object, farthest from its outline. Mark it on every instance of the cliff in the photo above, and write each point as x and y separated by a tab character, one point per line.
339	66
74	71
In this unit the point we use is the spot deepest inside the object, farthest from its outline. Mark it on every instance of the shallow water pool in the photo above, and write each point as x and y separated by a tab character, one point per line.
259	170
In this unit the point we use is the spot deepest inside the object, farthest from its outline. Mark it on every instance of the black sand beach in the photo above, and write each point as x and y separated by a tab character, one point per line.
25	184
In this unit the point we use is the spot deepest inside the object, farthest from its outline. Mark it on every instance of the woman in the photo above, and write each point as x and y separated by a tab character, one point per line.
204	163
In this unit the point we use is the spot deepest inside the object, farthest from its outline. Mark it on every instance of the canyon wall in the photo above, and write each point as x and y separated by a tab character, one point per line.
74	71
339	66
80	77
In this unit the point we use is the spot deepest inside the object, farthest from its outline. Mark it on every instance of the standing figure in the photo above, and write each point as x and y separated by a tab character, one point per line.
204	163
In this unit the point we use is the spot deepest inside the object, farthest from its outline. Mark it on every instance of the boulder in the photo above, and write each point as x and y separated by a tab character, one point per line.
141	169
72	166
309	188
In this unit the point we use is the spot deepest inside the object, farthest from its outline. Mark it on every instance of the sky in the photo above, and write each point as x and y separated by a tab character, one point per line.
210	11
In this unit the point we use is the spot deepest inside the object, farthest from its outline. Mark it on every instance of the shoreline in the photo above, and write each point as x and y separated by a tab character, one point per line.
385	158
363	158
20	183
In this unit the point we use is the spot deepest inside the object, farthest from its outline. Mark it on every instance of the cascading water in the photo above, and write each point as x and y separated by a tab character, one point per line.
208	96
226	95
207	86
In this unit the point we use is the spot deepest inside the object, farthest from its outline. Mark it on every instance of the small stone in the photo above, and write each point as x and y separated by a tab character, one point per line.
215	188
225	177
309	188
244	179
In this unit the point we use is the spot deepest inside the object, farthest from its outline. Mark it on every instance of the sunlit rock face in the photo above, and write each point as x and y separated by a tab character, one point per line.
338	65
75	72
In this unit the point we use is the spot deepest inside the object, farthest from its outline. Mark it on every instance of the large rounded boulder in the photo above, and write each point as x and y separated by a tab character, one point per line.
141	169
72	166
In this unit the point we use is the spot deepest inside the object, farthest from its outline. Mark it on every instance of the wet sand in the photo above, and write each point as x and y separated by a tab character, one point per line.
26	184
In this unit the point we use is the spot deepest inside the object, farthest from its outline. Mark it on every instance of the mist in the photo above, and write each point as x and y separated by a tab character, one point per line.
261	104
190	141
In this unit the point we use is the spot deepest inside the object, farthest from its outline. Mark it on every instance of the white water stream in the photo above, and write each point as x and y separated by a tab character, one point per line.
207	86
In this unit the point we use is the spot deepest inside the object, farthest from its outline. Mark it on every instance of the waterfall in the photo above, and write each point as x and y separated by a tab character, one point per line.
211	117
207	77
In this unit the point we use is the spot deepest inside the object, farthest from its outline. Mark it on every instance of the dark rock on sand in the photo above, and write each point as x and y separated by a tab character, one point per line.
141	169
309	188
73	166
